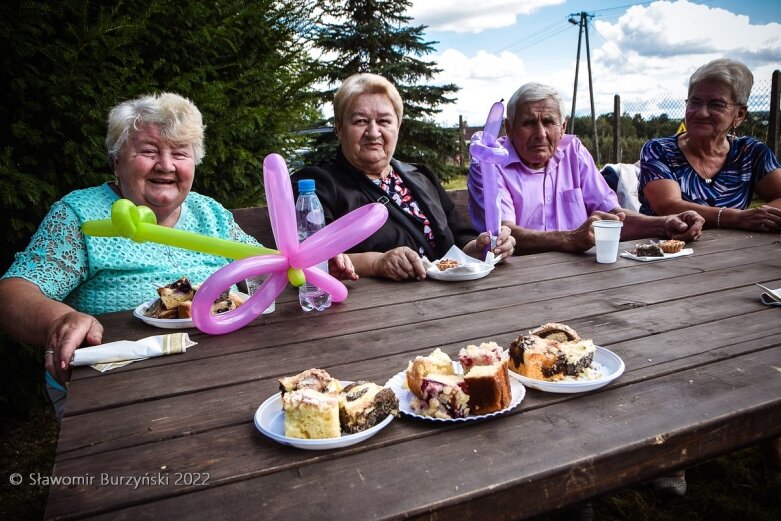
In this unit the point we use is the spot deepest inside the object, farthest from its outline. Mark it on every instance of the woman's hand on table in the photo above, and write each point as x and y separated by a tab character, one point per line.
63	336
341	267
763	219
399	264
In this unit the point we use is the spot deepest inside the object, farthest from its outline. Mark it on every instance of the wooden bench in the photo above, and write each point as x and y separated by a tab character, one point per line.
461	199
255	221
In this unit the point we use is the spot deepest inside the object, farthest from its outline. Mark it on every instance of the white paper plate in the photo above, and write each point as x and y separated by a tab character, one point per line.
470	268
461	273
684	252
270	420
608	364
399	386
170	323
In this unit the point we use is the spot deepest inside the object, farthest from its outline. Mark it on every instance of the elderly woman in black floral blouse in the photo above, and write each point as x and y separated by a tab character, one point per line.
422	217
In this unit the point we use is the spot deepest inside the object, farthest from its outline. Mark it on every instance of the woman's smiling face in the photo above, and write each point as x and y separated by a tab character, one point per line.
711	110
154	173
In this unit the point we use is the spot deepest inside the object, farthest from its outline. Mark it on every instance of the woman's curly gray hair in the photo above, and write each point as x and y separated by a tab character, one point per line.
180	122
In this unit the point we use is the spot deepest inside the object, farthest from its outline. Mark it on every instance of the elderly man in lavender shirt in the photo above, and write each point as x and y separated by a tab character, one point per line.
551	190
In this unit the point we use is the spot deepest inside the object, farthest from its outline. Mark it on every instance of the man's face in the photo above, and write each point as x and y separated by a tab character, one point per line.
536	131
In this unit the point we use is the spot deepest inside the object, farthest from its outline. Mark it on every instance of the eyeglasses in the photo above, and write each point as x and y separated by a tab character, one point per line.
696	104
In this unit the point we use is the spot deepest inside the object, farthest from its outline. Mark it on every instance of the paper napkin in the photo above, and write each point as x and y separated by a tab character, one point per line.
105	357
770	301
468	264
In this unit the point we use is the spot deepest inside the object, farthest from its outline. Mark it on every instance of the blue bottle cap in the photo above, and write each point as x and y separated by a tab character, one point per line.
306	185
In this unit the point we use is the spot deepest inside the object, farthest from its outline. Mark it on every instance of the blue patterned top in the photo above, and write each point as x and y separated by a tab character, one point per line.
105	274
748	161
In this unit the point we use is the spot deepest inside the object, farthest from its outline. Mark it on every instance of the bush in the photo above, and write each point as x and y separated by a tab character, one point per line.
65	64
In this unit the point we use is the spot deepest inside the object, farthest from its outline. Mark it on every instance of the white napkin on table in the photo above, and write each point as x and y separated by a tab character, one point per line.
105	357
468	264
770	301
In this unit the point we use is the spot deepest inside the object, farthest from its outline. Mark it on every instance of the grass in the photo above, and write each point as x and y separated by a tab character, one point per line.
730	488
457	183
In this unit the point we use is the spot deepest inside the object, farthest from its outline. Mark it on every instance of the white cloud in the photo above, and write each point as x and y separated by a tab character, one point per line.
646	56
465	16
483	79
677	29
651	51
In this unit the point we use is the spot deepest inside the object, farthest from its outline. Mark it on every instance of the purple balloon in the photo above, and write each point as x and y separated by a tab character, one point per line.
340	235
281	207
335	238
226	277
327	283
489	153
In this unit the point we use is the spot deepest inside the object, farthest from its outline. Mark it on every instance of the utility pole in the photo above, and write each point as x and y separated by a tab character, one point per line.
582	23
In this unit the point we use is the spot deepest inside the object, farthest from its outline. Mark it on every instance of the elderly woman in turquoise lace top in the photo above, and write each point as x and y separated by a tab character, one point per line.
63	277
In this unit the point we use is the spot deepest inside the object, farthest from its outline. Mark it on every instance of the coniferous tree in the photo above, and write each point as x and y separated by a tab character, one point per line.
65	64
372	36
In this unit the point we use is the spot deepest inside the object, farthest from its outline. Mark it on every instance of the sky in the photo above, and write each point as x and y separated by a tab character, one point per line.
644	51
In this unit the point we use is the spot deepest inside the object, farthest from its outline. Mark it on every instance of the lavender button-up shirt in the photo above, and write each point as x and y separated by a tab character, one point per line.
559	197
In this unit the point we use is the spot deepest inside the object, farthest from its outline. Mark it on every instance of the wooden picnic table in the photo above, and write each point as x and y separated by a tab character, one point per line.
703	378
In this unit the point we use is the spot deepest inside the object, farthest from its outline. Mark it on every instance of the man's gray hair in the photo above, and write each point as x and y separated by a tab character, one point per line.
531	92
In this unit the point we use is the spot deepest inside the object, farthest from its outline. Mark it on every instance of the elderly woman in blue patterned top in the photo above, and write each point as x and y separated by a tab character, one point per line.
63	278
708	169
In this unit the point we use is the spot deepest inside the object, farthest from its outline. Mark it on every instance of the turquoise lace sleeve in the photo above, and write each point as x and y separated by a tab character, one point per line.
56	258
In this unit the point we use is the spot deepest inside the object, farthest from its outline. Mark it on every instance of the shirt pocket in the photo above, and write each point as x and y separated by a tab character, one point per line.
572	208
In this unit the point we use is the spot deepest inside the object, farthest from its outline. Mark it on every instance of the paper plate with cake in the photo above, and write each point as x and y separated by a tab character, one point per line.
314	411
476	387
656	251
553	358
172	309
457	266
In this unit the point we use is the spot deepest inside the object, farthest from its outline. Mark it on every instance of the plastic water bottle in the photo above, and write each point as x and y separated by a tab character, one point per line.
310	218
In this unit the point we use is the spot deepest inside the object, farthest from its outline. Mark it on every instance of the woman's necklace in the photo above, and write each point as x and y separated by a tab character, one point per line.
706	168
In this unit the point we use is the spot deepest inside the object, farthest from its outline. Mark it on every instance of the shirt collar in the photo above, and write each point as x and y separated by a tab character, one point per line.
553	162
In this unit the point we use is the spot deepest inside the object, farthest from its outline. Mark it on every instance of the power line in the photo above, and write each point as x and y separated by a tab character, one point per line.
536	37
541	39
619	8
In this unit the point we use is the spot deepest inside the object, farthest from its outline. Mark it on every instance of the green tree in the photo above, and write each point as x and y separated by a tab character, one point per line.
373	36
63	66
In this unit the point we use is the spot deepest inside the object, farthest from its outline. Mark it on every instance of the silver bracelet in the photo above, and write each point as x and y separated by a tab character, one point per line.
718	217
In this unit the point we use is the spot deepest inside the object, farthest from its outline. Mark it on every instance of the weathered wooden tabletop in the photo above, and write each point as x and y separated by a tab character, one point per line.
173	437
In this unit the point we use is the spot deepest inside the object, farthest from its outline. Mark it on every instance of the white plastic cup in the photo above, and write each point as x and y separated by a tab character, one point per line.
253	283
607	235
